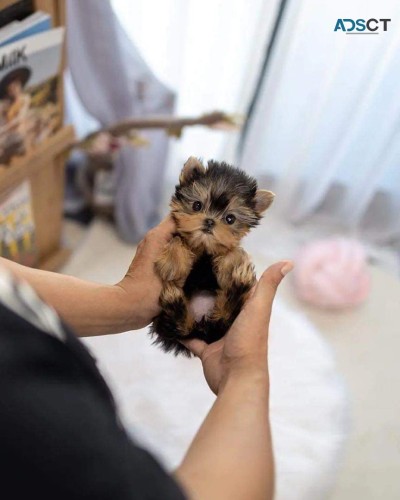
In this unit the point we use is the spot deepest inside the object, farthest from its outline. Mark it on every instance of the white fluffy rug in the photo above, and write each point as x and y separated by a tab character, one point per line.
164	399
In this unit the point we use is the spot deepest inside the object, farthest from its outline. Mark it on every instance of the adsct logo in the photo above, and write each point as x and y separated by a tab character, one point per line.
361	26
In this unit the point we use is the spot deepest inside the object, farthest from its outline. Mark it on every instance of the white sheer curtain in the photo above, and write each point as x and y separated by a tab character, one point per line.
209	52
326	129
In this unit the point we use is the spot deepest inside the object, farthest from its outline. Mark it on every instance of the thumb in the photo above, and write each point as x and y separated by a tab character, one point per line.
195	346
261	301
166	227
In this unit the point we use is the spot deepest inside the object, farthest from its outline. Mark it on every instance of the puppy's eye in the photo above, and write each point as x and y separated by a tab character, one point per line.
197	206
230	219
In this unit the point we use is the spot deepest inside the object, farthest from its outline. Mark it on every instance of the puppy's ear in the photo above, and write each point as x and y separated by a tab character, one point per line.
263	200
191	169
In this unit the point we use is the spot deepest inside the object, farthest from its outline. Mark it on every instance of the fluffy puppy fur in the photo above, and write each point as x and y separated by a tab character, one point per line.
206	276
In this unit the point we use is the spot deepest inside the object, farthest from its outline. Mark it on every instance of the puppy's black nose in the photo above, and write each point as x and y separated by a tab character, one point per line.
209	223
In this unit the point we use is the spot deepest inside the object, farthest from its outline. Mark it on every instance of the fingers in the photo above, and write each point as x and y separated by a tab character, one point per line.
260	303
166	228
195	346
156	239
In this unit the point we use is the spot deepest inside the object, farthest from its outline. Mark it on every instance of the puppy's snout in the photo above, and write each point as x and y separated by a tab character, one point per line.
209	223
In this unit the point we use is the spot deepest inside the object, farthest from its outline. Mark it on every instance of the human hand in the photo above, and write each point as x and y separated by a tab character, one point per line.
141	286
244	348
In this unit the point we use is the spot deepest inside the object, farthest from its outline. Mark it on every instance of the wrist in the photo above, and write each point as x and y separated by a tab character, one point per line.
103	311
247	376
138	301
127	305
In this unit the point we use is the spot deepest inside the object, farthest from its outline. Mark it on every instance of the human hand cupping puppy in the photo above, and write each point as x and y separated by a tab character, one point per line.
141	286
244	349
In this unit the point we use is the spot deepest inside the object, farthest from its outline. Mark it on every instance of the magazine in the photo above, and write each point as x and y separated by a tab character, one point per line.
29	107
17	227
35	23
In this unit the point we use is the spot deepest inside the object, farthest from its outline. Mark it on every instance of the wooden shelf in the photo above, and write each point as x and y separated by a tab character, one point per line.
55	260
43	168
6	3
29	164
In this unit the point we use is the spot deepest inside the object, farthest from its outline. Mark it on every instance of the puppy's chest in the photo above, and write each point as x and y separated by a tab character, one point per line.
201	277
201	287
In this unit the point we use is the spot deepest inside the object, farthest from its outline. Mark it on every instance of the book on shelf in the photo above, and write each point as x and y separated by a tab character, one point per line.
32	25
30	110
15	11
17	226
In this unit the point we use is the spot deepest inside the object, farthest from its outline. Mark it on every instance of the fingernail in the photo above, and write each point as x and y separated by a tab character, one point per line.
286	268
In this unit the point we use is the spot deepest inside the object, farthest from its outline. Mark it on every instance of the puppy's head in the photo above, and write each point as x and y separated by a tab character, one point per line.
215	206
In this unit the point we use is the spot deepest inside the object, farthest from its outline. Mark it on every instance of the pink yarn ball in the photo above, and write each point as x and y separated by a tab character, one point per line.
332	273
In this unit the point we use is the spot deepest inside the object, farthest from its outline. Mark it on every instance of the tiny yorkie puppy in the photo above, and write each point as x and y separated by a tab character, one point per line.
206	275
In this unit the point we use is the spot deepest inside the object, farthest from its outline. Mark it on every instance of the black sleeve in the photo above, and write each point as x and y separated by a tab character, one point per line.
60	437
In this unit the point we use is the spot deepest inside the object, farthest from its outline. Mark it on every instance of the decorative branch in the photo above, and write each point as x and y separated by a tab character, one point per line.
127	131
172	125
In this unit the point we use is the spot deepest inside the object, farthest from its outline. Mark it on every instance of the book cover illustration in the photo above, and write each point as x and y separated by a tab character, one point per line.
29	107
17	226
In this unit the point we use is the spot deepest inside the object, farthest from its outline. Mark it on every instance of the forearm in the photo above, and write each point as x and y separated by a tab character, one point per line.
231	455
89	308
